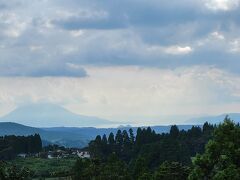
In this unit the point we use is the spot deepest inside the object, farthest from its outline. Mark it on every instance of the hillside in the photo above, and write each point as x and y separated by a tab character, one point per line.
68	139
91	133
68	136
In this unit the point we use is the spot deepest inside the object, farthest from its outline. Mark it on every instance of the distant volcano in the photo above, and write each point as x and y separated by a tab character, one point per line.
51	115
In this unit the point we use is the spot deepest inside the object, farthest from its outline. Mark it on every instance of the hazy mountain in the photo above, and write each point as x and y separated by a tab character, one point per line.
91	133
214	119
9	128
50	115
69	139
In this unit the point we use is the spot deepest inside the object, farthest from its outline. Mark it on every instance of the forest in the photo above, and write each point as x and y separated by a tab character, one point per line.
12	145
210	152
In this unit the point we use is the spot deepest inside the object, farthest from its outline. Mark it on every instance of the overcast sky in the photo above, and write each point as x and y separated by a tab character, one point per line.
140	61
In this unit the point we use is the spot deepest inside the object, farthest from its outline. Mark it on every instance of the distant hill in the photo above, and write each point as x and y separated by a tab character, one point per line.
91	133
69	139
50	115
10	128
214	119
67	136
80	136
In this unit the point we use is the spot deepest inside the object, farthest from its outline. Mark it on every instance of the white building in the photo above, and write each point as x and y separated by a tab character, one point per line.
22	155
83	154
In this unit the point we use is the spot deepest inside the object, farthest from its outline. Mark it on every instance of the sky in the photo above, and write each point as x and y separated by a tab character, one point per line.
136	61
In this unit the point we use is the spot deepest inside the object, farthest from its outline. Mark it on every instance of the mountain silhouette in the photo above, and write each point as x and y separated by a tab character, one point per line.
215	119
51	115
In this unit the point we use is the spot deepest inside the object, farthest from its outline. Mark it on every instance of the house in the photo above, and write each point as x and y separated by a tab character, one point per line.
22	155
83	154
50	156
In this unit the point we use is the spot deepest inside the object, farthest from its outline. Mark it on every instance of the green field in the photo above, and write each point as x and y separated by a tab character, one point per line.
46	167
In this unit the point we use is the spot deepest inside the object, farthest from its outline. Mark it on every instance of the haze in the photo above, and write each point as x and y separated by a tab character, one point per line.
135	61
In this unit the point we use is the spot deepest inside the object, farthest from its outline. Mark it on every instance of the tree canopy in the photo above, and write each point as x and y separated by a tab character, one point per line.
221	159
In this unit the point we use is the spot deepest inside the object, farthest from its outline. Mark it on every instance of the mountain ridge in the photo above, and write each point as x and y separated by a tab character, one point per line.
69	139
214	119
51	115
70	136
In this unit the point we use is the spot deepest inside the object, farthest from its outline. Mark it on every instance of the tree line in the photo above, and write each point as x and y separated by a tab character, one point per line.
156	148
12	145
210	152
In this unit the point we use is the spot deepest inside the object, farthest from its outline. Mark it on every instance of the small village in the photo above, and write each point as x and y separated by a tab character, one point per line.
58	153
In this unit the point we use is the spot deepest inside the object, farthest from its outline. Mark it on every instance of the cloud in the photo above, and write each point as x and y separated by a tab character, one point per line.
172	50
222	5
13	26
132	93
67	70
217	35
143	33
35	48
175	50
87	19
153	58
235	46
76	33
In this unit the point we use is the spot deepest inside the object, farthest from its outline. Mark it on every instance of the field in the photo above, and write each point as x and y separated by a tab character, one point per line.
46	167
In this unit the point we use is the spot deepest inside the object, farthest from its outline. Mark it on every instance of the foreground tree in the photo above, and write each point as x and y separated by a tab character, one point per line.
221	159
171	170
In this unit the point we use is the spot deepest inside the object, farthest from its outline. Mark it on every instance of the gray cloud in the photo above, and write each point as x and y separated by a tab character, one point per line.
51	70
107	33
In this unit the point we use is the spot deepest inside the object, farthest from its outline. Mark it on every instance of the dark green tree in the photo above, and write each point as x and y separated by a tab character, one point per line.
140	168
222	154
171	171
119	138
111	140
174	131
132	138
81	169
126	139
104	139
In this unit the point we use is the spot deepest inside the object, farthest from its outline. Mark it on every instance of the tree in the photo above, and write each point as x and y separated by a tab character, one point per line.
126	139
104	139
119	138
96	147
132	138
98	140
114	169
221	157
38	142
111	140
80	169
140	168
174	131
171	170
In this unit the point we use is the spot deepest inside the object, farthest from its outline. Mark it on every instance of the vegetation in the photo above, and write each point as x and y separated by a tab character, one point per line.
211	152
146	155
46	167
13	173
10	146
152	156
37	168
221	159
155	148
